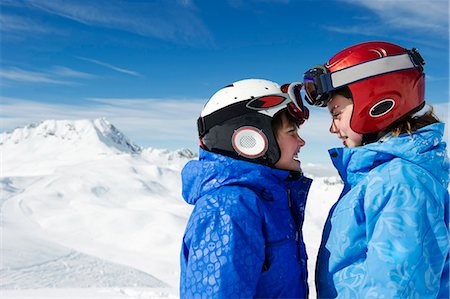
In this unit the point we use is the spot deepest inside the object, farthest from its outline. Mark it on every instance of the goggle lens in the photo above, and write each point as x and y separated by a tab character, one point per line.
314	93
310	91
296	108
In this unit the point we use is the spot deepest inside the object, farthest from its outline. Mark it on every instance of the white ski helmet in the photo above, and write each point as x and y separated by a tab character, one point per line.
237	120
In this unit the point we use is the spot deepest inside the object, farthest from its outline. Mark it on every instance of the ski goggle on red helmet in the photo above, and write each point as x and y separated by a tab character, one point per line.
320	81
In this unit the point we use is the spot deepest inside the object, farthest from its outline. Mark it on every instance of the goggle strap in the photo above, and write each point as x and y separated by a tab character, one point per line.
368	69
208	121
326	82
416	58
201	126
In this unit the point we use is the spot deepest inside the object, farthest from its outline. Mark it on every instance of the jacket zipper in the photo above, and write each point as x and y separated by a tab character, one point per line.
294	217
297	239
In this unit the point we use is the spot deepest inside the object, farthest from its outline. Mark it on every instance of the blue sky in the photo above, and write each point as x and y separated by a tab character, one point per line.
149	66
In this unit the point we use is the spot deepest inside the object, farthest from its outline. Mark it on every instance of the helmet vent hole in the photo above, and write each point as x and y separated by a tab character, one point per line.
382	107
247	141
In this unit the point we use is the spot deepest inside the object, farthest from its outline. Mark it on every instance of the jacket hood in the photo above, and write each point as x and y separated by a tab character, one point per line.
212	171
425	148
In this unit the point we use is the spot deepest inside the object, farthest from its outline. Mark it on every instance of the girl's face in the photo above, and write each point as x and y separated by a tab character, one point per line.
290	143
341	110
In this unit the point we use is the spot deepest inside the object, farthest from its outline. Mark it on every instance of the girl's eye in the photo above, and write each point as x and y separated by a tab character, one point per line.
335	115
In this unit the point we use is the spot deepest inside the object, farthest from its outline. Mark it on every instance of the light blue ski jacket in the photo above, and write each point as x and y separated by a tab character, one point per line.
244	237
388	236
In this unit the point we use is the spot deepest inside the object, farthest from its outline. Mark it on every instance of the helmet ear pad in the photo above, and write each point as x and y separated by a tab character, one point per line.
380	101
248	137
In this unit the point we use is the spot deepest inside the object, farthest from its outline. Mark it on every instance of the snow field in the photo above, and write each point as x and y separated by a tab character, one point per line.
87	214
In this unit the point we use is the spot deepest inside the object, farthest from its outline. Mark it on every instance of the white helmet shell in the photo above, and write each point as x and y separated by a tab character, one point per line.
240	91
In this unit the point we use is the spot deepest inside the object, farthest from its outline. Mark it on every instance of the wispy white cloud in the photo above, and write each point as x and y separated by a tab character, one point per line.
14	23
428	15
431	17
20	75
245	3
110	66
273	1
357	29
68	72
187	3
55	75
175	21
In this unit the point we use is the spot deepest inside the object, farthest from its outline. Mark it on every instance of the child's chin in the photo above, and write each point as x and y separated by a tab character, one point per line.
296	166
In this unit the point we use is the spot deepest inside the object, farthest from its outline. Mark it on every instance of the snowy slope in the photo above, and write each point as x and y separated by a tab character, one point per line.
50	144
84	207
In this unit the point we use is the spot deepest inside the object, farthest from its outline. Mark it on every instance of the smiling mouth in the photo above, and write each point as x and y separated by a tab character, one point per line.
343	139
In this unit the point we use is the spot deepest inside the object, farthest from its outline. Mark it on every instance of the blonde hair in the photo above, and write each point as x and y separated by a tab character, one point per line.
412	123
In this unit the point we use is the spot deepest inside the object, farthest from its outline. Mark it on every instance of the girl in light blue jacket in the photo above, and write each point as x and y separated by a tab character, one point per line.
387	236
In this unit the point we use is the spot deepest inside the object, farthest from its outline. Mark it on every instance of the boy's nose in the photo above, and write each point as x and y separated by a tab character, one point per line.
301	141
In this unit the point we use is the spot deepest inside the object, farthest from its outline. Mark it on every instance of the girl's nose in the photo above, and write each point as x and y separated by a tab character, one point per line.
301	141
333	128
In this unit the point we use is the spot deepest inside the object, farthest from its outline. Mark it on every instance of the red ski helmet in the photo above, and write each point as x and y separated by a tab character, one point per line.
386	81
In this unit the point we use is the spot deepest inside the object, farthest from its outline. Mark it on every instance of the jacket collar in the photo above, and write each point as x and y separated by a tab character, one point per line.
212	171
424	148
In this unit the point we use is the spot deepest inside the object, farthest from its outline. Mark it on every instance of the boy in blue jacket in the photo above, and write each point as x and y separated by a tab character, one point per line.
387	235
244	236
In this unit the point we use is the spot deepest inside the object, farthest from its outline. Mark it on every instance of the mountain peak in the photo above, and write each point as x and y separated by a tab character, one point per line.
41	148
90	132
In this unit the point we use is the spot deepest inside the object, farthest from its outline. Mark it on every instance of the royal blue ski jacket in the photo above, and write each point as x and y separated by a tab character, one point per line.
388	236
244	236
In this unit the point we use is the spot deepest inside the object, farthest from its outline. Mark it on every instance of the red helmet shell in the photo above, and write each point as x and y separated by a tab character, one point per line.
380	100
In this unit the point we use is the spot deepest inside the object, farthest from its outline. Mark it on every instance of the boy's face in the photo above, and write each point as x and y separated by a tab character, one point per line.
290	143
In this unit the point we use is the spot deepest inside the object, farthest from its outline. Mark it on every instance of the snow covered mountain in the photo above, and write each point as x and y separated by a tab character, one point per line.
100	132
82	206
80	191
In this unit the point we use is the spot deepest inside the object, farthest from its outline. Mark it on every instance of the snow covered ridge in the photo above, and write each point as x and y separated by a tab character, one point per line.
41	148
73	131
